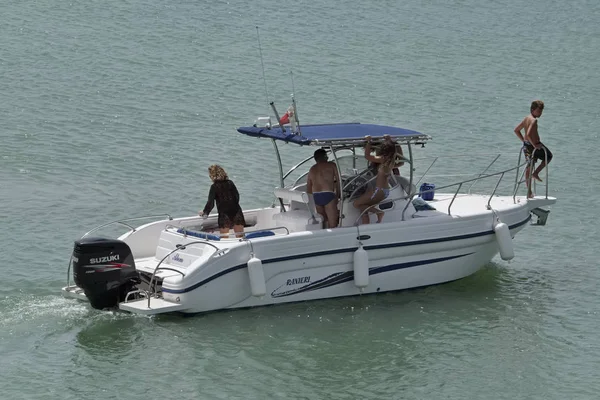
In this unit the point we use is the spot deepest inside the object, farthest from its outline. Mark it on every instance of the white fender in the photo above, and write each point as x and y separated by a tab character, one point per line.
505	244
361	268
256	274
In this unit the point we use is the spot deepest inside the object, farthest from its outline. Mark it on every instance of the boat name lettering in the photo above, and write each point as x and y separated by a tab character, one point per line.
177	258
296	281
100	260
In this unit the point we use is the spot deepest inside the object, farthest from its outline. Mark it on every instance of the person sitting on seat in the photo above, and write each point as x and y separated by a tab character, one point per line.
402	180
385	162
227	197
322	182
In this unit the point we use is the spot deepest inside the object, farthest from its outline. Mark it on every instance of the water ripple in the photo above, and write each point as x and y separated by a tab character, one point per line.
116	109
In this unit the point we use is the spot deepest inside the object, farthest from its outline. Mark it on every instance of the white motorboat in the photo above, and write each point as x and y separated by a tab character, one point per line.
182	265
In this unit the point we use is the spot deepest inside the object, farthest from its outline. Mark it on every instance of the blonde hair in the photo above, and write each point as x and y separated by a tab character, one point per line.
217	173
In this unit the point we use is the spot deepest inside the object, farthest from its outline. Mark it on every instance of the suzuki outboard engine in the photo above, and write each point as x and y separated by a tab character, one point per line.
105	270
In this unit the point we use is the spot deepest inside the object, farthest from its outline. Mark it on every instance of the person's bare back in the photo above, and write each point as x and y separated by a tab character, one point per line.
322	183
525	125
323	177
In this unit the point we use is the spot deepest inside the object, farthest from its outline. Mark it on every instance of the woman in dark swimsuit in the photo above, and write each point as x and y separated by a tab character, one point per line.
224	192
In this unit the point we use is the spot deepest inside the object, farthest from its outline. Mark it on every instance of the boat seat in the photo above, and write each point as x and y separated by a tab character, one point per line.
200	235
292	195
296	215
298	220
404	182
259	234
298	200
302	214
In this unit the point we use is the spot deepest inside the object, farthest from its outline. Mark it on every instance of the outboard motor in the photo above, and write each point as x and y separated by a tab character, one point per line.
105	270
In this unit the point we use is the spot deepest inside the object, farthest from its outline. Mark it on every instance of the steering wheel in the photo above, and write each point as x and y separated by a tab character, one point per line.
353	186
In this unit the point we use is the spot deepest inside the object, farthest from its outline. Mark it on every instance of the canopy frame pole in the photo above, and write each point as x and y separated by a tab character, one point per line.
410	196
281	181
340	187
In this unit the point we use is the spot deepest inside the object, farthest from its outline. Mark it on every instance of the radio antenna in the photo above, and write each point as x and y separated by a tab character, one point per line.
262	64
298	132
293	88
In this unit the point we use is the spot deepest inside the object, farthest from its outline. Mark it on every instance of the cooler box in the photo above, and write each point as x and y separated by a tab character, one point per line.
429	195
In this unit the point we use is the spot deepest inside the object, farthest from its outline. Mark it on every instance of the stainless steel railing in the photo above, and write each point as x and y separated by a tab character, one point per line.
122	222
459	185
529	179
158	267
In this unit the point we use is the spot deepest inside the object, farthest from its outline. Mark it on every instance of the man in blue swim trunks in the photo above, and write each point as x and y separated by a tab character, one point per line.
323	181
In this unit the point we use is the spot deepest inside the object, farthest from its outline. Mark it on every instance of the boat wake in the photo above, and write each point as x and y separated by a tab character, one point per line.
35	310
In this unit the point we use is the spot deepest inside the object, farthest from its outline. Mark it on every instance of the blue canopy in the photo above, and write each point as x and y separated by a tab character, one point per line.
334	133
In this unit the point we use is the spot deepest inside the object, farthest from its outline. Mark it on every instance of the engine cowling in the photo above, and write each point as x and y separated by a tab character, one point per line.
105	270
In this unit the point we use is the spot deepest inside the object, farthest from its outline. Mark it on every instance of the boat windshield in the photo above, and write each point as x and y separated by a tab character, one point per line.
351	164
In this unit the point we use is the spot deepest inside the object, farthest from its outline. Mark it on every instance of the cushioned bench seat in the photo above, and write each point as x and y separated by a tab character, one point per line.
200	235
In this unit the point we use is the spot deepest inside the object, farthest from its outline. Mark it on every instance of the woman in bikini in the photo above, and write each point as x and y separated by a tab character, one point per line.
227	197
385	161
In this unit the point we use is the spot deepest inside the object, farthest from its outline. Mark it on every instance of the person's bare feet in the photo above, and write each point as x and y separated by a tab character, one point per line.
536	177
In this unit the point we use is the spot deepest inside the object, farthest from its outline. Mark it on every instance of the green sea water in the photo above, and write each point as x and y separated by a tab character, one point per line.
114	109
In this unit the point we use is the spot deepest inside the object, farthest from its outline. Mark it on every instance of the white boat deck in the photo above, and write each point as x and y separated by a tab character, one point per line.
471	204
466	205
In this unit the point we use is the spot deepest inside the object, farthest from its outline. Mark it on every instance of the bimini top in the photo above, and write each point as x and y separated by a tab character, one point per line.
346	133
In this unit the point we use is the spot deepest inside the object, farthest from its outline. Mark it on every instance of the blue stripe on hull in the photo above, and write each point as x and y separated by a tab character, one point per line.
342	277
345	250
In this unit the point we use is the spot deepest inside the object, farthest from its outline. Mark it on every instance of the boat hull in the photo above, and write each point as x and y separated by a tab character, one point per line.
427	249
311	275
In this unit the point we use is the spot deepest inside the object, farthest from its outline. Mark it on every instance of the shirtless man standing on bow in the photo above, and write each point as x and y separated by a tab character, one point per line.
322	183
532	146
